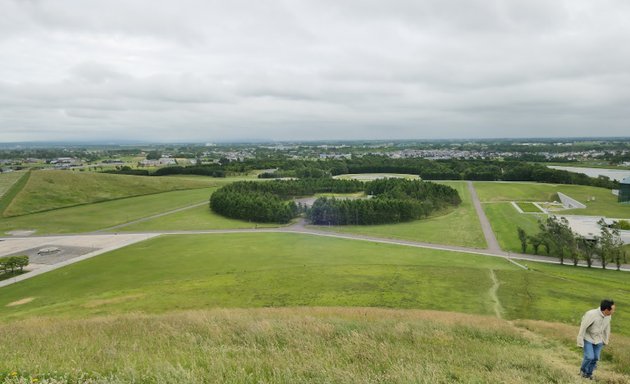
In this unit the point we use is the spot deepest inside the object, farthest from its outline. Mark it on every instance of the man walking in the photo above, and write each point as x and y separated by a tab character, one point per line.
594	334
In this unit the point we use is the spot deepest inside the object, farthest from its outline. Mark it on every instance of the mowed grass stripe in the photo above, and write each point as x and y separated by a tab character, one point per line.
11	190
254	270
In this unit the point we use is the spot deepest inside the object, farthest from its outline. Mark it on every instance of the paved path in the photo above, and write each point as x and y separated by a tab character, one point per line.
491	240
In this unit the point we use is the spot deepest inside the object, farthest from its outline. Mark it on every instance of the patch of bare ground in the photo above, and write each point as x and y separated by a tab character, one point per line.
20	302
114	300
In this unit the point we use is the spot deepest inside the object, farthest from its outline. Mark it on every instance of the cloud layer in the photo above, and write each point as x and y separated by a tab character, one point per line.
284	70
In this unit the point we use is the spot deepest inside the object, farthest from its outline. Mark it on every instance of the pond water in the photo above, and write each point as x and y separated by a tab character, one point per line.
614	174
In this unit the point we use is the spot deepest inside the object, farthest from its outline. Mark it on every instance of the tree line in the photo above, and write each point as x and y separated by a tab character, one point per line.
557	239
451	169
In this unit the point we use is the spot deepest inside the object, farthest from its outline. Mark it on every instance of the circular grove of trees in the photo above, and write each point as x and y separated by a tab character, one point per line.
389	200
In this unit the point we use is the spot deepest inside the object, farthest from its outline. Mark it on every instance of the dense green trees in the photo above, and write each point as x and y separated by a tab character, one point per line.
267	202
391	200
11	264
451	169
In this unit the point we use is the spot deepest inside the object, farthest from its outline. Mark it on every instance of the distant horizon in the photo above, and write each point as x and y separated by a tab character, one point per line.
312	70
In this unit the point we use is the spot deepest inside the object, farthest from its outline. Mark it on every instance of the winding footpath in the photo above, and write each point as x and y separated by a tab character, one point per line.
108	242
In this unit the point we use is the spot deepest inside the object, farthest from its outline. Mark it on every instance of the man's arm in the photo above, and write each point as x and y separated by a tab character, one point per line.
586	322
606	333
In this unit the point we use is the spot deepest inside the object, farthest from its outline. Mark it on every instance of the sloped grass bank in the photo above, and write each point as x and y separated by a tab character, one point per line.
91	217
287	345
258	270
47	190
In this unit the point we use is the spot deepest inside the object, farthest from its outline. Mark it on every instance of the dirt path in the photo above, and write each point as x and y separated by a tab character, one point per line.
498	309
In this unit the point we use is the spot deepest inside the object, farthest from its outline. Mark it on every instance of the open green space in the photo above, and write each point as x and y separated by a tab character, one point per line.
598	201
459	226
258	270
91	217
7	179
184	308
505	220
528	207
197	218
286	269
297	345
47	190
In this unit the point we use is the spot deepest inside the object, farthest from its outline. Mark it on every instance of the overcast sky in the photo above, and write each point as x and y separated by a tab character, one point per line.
188	70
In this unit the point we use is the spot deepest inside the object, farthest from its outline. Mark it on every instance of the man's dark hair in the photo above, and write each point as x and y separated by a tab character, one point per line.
606	304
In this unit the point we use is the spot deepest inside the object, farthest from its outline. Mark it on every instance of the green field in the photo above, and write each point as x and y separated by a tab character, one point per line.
297	345
48	190
505	220
459	226
258	270
197	218
284	269
604	203
119	314
91	217
528	207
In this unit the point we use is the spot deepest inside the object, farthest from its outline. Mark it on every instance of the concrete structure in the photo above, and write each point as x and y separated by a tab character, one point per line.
588	227
624	190
568	202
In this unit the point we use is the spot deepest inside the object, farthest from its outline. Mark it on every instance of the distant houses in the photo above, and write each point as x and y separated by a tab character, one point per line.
163	161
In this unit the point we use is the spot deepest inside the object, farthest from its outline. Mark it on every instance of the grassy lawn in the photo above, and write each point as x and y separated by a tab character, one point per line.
7	179
457	227
528	207
192	308
505	220
47	190
563	293
91	217
294	345
198	218
258	270
598	201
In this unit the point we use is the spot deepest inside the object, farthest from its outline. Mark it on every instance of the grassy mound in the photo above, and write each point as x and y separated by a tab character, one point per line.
47	190
290	345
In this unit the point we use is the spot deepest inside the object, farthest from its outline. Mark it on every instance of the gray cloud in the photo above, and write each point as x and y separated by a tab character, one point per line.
211	70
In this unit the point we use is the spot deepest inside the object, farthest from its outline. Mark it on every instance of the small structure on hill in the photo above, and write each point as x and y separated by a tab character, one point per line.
624	190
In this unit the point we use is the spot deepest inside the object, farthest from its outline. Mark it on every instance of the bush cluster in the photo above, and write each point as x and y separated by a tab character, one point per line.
11	264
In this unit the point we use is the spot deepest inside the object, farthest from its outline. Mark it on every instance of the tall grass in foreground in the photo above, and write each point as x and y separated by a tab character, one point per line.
298	345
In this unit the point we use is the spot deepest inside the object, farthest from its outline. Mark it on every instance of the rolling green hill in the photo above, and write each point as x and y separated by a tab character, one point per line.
47	190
